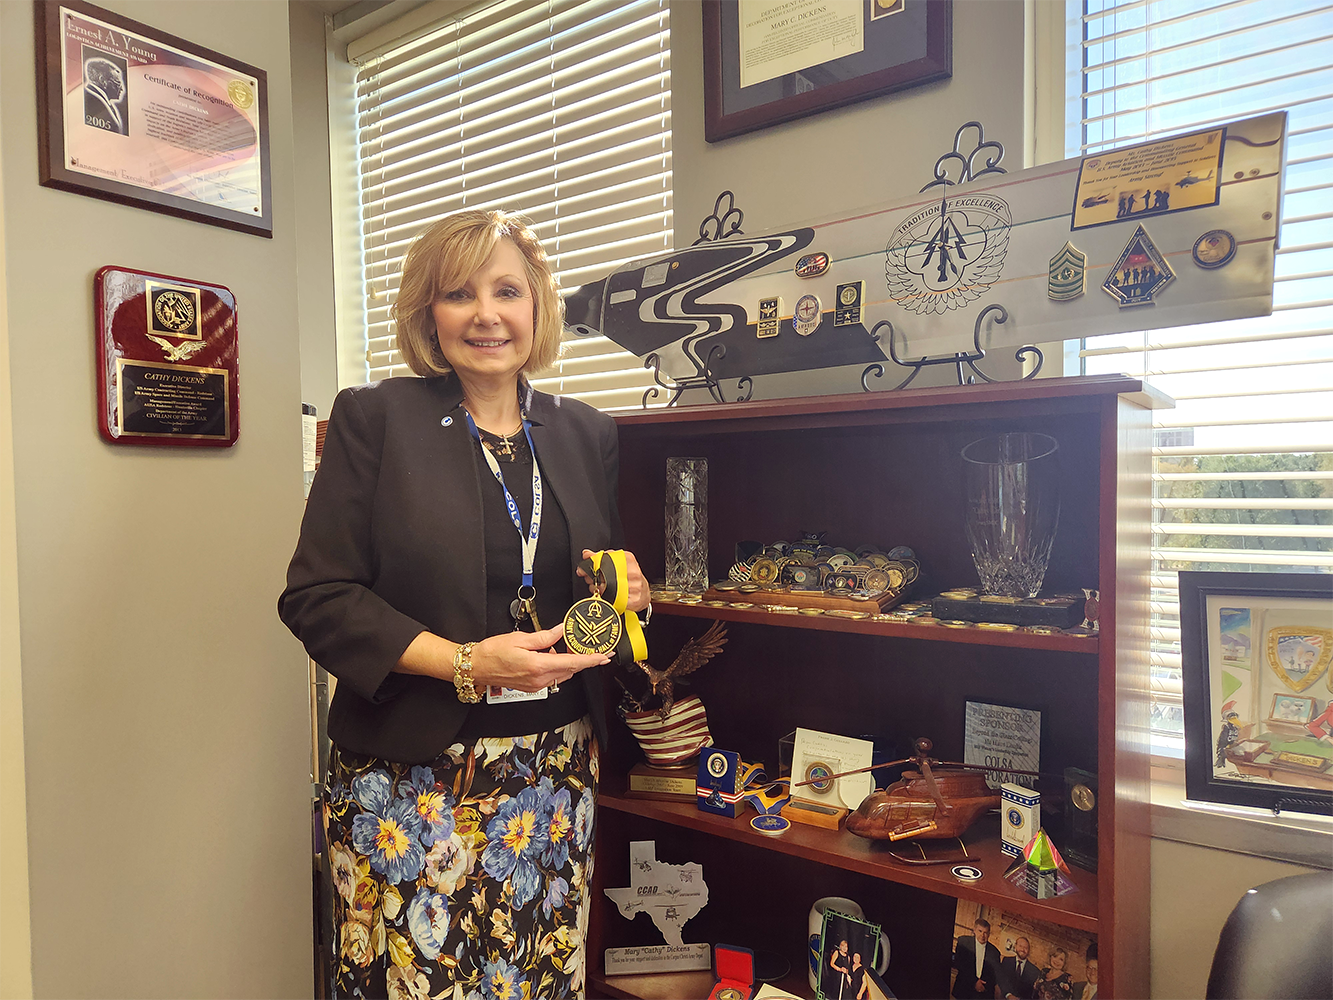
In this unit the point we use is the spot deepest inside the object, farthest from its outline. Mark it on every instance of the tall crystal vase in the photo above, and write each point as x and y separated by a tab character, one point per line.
1013	507
687	524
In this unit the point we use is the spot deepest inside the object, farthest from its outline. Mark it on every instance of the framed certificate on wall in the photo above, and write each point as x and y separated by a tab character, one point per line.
131	114
769	61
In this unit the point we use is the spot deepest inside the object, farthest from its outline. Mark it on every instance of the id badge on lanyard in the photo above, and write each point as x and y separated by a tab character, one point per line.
525	605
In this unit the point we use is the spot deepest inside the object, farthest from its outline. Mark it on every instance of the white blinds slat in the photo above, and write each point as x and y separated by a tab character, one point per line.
1243	466
559	109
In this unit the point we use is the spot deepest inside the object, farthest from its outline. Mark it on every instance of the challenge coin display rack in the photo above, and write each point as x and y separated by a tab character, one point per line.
886	468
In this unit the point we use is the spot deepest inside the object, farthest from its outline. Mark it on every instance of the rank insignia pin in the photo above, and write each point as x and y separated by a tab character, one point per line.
1067	274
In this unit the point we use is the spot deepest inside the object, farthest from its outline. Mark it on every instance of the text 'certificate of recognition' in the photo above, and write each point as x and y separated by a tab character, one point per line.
154	117
778	37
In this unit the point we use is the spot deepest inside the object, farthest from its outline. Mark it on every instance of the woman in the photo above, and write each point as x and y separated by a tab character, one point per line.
459	803
837	981
859	988
1055	983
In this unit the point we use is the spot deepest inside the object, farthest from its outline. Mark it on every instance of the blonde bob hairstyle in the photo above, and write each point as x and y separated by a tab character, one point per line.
443	258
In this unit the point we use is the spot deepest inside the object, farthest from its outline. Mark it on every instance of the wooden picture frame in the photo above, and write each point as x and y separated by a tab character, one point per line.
905	43
1238	750
166	124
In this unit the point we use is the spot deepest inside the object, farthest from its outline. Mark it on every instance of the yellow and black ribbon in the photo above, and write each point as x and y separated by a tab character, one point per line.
609	569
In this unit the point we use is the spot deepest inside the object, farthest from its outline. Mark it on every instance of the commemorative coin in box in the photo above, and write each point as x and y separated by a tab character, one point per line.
718	784
734	968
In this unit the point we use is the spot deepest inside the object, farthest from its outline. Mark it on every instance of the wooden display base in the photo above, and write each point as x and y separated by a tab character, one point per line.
808	599
826	817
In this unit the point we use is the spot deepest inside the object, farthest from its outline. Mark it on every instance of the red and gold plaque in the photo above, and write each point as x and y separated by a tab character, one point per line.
166	360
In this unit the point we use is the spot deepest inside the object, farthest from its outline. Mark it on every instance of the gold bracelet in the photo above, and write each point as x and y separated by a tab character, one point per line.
467	691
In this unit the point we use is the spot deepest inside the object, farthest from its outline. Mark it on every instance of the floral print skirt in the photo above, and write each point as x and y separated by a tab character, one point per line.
465	878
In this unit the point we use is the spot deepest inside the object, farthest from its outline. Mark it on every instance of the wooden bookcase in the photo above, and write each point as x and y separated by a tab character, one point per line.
884	468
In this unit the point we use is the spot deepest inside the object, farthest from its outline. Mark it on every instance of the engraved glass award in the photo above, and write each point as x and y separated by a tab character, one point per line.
687	524
1013	507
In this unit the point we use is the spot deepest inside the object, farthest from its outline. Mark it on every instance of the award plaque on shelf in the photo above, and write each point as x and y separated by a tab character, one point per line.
670	784
166	360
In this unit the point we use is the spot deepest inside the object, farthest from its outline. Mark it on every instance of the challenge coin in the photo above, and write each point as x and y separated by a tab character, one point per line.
1214	249
808	315
769	826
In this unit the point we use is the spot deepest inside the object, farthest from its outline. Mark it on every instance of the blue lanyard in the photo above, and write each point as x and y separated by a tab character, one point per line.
528	539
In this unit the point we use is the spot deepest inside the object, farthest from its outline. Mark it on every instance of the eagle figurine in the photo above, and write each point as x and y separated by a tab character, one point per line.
693	655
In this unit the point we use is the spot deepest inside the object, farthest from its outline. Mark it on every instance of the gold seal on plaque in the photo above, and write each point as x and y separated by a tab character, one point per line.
173	310
592	626
241	95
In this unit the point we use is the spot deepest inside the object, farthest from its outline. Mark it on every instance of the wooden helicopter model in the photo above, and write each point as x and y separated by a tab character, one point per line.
938	800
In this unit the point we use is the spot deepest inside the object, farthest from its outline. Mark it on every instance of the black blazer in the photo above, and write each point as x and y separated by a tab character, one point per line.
1012	982
391	545
965	961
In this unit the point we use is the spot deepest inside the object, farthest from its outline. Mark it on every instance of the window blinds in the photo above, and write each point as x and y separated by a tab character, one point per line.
559	109
1243	466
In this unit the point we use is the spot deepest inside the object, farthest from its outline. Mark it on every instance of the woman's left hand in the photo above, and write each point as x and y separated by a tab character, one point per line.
636	584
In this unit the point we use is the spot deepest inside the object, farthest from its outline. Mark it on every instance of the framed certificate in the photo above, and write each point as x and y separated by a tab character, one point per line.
767	62
134	115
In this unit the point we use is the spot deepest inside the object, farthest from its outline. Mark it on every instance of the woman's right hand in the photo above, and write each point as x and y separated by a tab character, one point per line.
523	661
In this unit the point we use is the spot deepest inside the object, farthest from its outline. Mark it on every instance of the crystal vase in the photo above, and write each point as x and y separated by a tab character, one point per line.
687	524
1013	507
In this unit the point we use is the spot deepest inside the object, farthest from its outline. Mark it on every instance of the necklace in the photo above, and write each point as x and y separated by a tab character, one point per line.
505	447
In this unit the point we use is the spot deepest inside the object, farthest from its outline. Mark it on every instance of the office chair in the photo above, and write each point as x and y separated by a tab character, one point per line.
1278	943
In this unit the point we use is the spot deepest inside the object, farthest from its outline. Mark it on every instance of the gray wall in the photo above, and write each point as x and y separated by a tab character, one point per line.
15	942
864	155
314	220
164	706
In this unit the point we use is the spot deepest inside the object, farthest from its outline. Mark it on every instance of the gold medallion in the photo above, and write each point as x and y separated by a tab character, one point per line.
240	93
1083	797
592	627
730	994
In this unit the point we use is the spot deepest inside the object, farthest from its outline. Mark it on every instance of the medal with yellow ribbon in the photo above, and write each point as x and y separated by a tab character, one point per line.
602	624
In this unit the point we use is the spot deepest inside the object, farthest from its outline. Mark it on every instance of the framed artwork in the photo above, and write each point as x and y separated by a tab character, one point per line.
1256	650
768	62
134	115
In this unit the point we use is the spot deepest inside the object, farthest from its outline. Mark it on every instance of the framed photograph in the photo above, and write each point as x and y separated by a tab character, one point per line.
1256	650
134	115
767	62
850	953
1019	954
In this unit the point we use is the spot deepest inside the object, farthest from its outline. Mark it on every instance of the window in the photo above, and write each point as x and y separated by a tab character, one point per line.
559	109
1243	466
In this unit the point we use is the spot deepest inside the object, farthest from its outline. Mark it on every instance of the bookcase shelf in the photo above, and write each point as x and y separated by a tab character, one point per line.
884	468
901	630
841	849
